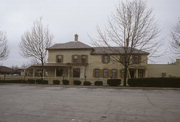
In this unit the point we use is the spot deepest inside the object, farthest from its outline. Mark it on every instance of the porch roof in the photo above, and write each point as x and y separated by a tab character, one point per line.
60	64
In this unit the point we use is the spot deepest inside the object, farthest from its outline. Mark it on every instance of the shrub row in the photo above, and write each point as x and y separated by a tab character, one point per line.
114	82
29	81
154	82
77	82
12	81
111	82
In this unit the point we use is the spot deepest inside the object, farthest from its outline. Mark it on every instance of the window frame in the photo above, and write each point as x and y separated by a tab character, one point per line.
79	71
115	75
104	73
57	59
139	73
95	73
75	60
103	59
61	72
136	59
86	59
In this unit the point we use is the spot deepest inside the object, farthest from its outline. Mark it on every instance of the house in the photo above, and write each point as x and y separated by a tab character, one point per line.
75	60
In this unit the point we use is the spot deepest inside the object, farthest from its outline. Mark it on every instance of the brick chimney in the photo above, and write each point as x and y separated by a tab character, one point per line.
75	37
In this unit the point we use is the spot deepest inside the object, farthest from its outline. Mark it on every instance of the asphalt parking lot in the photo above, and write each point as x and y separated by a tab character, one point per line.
30	103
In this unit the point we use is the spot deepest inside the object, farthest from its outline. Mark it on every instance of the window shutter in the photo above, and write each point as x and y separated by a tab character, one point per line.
110	73
116	75
102	58
94	72
79	59
101	73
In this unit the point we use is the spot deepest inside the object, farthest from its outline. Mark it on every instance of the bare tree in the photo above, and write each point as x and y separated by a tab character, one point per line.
175	42
3	46
34	43
131	28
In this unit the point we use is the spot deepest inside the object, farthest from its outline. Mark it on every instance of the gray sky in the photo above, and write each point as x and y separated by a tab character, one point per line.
67	17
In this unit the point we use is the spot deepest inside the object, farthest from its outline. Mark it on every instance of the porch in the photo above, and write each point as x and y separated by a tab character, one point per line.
59	71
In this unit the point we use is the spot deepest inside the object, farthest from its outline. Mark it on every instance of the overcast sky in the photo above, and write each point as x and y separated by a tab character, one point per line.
67	17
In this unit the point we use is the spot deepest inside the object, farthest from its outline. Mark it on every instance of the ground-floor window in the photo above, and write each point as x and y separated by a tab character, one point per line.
114	73
76	72
141	73
96	73
105	73
59	72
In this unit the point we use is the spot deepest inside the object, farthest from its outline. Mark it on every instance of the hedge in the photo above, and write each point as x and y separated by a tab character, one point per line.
29	81
98	83
114	82
41	81
87	83
65	82
77	82
56	82
154	82
12	81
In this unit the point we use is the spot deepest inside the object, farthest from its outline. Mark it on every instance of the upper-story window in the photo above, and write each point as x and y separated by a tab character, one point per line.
84	59
136	59
75	59
59	58
141	73
105	59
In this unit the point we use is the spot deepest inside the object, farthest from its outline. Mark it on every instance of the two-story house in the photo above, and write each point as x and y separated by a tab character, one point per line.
75	60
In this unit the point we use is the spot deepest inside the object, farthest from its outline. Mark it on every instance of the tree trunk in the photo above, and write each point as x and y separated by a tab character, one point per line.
42	69
125	75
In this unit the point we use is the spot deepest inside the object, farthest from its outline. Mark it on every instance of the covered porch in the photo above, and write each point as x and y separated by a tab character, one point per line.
59	71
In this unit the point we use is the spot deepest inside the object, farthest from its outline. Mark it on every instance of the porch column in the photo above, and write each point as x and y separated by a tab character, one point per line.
33	72
55	72
136	75
69	72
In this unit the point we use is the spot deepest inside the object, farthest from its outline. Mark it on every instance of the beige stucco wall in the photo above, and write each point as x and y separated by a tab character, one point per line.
171	70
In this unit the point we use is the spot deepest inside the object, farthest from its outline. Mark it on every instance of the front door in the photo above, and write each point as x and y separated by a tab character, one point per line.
59	72
132	73
76	72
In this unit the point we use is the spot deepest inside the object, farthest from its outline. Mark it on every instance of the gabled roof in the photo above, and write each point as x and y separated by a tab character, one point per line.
77	45
70	45
114	50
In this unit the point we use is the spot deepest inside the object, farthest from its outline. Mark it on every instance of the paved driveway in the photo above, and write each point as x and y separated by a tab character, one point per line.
28	103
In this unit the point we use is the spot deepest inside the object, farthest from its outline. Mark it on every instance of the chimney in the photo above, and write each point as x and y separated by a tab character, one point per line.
75	37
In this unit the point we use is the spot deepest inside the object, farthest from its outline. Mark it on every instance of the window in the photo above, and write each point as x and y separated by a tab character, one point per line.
75	59
59	72
59	58
84	59
105	73
136	59
96	73
132	73
141	73
105	59
114	73
76	72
